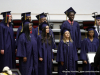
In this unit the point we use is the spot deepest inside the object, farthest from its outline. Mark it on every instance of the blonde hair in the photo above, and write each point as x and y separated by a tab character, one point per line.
64	38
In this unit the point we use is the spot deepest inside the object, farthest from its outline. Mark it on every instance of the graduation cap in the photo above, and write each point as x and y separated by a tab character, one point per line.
5	15
64	30
69	10
96	16
90	28
24	15
41	15
42	25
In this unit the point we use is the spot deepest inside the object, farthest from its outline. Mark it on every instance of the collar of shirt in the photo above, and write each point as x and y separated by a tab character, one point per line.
71	22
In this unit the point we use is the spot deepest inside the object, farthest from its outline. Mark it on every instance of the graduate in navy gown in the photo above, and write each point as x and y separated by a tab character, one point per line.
42	18
66	54
97	26
73	26
27	52
26	18
7	42
89	44
45	51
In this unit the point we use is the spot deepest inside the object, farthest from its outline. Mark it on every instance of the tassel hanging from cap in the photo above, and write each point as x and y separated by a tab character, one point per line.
38	26
22	27
25	16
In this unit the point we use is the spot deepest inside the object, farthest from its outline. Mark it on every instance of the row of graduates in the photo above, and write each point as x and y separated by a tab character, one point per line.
34	52
34	46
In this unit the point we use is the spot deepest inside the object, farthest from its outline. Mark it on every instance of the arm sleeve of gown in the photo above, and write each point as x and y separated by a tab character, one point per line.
75	53
62	26
97	57
78	37
36	32
60	55
35	55
53	38
96	34
18	31
1	38
52	47
39	47
83	50
21	51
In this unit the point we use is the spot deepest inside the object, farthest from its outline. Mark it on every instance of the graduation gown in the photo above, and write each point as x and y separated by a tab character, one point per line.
27	49
67	54
51	33
19	30
7	43
88	46
74	31
45	52
96	34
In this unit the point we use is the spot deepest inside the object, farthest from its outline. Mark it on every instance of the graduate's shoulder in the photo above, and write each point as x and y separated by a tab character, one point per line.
22	36
76	23
65	22
96	39
61	42
2	24
84	40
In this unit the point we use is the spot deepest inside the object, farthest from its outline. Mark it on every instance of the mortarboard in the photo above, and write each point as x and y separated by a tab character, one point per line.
69	10
5	15
90	28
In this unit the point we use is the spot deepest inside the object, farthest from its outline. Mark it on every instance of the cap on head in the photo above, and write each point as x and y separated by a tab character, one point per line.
97	16
42	15
69	10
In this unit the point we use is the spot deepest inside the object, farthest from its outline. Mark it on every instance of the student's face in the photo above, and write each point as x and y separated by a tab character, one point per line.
98	22
47	29
30	27
71	16
91	33
67	34
43	19
29	17
10	18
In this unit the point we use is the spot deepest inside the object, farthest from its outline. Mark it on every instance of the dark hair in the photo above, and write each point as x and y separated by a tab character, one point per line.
88	34
43	39
23	18
26	31
69	13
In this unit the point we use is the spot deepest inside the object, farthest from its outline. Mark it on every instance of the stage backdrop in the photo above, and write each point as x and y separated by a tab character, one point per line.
50	6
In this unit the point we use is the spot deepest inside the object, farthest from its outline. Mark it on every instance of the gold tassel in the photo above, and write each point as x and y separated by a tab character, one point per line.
25	16
59	36
22	27
38	26
6	18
